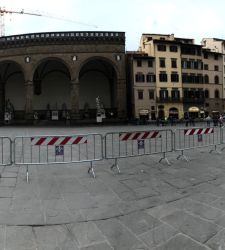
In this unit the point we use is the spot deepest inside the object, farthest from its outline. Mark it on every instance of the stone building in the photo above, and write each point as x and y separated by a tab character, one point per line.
64	72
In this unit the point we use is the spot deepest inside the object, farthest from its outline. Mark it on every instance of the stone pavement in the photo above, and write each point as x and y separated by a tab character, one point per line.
150	205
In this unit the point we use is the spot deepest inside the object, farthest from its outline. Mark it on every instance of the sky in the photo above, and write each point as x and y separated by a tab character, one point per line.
195	19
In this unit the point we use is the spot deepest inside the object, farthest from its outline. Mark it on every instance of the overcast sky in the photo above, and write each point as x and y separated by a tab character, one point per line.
185	18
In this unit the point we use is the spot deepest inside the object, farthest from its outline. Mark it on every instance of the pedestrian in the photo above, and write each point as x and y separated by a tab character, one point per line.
208	120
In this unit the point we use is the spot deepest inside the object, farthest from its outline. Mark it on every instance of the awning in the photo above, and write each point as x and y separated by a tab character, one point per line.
193	109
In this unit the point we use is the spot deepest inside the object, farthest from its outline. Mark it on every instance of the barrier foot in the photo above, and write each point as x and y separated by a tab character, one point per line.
91	170
182	155
115	165
215	149
164	158
27	174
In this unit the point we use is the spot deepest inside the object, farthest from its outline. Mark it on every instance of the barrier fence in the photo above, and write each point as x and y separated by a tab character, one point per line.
51	149
5	151
62	149
138	143
191	138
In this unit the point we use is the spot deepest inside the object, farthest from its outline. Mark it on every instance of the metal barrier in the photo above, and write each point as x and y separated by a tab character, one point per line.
58	149
190	138
5	151
138	143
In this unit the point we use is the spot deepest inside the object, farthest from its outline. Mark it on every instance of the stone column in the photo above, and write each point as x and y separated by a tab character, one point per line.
74	98
29	100
121	99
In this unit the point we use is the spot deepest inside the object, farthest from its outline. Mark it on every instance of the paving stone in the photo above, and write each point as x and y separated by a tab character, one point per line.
181	242
204	197
162	210
195	227
158	235
20	238
86	233
218	241
100	246
119	237
139	222
7	182
54	237
6	192
100	213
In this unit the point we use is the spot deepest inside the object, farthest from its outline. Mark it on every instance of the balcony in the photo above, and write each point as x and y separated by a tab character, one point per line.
194	100
169	100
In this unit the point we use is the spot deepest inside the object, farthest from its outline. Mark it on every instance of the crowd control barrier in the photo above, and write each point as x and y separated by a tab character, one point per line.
190	138
58	149
5	151
138	143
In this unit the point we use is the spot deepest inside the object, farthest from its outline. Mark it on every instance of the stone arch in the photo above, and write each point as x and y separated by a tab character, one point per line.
12	88
174	113
51	87
98	77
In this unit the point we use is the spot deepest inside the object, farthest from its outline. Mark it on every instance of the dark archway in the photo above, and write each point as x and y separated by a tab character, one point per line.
12	89
97	78
51	88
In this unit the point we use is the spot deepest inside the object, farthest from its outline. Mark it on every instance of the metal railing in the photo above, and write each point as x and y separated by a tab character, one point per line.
138	143
58	149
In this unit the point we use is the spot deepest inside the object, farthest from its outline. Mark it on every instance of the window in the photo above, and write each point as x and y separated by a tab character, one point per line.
206	79
151	77
216	67
140	95
173	48
175	94
174	77
206	93
150	63
161	47
216	56
184	64
139	63
163	77
163	93
173	62
217	94
139	77
151	94
205	55
206	66
162	62
216	80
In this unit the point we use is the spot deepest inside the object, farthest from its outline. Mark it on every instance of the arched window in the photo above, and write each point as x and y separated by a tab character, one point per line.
217	94
206	79
206	93
217	80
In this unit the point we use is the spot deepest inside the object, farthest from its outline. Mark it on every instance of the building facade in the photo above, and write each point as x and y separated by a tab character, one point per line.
188	77
64	72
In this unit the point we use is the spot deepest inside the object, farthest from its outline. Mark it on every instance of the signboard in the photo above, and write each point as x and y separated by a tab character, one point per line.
141	144
59	150
199	138
55	115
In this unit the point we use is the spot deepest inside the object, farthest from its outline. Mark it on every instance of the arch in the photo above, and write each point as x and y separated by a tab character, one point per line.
51	87
97	78
49	58
216	79
102	58
206	79
174	113
12	88
207	93
217	93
